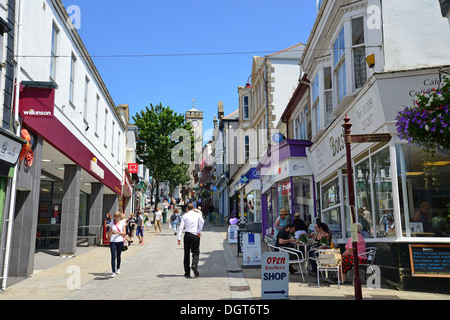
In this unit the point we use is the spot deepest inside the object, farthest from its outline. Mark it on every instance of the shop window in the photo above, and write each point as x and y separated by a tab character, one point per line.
425	212
373	191
254	206
302	198
363	193
284	196
331	207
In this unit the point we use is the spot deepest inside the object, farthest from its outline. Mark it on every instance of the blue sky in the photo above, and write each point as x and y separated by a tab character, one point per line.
185	29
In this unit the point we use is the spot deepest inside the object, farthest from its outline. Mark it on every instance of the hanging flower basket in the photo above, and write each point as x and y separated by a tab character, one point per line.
427	125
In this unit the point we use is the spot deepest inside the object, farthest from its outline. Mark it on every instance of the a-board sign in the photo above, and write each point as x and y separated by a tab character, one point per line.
275	275
252	249
430	260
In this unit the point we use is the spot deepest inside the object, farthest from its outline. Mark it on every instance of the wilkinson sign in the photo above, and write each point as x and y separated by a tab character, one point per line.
37	100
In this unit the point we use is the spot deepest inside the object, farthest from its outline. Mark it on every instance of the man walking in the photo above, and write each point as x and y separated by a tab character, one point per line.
192	223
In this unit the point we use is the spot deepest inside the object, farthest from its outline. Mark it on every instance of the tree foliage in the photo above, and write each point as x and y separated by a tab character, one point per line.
155	126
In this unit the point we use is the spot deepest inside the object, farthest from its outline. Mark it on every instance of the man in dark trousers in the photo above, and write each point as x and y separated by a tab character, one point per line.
192	223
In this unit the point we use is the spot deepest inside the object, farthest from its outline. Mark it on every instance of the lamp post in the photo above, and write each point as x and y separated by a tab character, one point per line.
349	139
351	200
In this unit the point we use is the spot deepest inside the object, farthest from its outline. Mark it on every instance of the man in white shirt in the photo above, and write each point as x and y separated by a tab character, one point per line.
192	223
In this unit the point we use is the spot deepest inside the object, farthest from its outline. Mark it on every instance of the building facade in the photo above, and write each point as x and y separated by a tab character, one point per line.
77	137
369	60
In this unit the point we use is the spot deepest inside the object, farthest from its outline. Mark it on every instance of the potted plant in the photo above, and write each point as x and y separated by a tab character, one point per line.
324	243
427	125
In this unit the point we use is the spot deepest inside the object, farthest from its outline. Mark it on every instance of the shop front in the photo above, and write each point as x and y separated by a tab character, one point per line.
395	207
286	183
64	190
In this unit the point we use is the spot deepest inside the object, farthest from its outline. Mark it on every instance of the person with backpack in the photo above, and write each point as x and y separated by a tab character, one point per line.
175	220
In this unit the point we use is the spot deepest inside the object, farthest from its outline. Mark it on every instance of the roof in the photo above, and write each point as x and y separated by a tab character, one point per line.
294	52
232	116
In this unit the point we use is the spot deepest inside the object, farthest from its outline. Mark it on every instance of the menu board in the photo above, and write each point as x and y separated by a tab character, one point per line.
430	260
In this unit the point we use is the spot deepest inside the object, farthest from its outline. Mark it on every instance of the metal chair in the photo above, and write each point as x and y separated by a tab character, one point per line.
298	258
370	254
270	241
328	260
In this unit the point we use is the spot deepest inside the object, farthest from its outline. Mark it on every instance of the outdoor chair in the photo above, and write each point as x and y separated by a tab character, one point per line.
328	261
370	254
270	241
295	257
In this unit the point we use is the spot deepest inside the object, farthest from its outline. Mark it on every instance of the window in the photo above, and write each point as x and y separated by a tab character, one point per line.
328	86
339	66
105	128
331	207
245	107
113	132
359	52
301	125
424	210
118	147
373	191
72	77
316	103
86	97
97	105
54	52
247	147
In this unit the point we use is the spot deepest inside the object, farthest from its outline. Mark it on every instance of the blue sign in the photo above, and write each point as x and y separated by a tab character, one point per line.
277	137
244	179
253	173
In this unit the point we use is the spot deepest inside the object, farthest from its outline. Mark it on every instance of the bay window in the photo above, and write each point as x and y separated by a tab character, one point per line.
339	66
359	52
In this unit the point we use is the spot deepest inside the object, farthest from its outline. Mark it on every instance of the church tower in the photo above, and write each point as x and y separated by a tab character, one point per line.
195	117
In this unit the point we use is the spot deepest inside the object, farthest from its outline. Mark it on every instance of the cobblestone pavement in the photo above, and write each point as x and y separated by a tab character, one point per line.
154	271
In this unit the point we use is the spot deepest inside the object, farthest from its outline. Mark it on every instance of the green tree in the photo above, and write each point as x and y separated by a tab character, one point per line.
154	147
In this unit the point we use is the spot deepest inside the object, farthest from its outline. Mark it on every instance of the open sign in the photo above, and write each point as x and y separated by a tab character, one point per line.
275	275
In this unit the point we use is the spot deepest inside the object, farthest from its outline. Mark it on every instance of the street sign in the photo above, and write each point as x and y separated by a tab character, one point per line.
275	275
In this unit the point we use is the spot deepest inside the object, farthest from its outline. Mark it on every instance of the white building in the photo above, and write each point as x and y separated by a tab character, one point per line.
78	139
271	84
368	60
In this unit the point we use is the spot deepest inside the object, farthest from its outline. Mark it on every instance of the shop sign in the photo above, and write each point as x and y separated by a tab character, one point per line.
133	168
36	102
96	169
252	249
275	275
10	149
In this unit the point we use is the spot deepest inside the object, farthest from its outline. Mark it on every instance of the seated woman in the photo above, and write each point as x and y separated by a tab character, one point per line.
347	256
322	231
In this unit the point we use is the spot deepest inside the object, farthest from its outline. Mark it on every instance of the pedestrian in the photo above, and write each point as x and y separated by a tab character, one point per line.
175	220
166	208
116	237
158	219
140	227
146	220
131	226
192	225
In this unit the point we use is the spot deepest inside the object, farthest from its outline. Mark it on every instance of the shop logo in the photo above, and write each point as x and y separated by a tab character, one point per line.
96	169
36	113
133	168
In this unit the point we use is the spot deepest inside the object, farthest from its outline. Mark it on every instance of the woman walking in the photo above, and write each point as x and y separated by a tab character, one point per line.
116	234
175	220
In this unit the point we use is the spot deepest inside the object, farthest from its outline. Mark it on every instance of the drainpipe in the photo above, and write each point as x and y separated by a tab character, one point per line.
13	189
